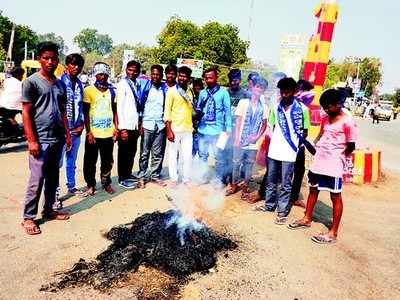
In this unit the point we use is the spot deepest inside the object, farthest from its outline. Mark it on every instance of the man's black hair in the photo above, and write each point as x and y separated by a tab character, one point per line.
304	85
75	59
17	72
134	63
185	70
331	96
171	67
47	46
157	67
198	82
288	84
235	74
211	69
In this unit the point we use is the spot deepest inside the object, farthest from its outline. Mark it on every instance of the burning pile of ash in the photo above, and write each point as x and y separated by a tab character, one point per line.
166	241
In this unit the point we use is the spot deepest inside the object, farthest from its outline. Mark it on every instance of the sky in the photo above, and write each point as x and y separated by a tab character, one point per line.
364	28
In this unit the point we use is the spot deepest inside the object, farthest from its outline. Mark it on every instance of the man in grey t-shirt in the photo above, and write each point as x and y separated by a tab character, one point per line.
46	129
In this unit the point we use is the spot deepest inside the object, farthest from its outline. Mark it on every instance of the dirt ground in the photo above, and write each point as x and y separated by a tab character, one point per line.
271	262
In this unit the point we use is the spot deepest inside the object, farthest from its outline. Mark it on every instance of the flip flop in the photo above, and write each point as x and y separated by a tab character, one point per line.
32	228
280	220
159	182
297	225
89	192
323	239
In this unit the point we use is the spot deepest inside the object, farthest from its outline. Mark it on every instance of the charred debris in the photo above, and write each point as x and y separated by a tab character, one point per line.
156	240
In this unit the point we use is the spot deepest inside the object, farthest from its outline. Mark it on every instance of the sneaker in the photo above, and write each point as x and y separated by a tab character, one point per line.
58	203
127	184
280	220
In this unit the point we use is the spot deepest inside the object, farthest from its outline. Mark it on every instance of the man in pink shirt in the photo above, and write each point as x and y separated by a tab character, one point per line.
335	141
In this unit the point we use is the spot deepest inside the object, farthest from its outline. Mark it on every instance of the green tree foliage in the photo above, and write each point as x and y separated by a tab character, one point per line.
143	54
369	72
89	40
90	59
22	33
52	37
3	52
212	42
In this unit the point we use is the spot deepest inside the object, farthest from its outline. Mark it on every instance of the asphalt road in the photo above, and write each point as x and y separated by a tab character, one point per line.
384	136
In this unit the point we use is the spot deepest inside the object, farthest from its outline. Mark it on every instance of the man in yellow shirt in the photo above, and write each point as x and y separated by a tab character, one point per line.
101	122
178	121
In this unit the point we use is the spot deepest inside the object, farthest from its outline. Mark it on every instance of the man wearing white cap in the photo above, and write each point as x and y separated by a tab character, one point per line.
101	124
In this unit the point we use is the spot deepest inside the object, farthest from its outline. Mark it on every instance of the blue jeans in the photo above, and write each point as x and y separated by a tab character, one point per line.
70	161
245	158
285	169
206	142
195	148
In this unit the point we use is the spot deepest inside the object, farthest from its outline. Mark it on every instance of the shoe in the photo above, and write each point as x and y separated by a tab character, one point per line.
57	202
126	184
280	220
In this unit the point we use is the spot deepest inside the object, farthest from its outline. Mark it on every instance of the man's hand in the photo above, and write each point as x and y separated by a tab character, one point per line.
34	149
115	135
124	135
170	136
78	131
68	142
141	130
90	138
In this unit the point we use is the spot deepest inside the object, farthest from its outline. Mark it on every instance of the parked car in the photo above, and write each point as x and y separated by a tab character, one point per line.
385	112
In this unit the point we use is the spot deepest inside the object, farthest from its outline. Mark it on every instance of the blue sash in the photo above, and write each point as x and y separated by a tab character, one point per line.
296	117
136	96
184	94
108	86
252	123
74	102
210	117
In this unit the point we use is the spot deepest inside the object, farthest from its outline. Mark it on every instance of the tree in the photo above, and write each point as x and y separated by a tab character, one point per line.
89	40
3	52
90	59
213	42
22	34
52	37
369	71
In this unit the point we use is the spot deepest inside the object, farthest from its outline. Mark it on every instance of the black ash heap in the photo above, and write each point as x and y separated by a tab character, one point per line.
167	241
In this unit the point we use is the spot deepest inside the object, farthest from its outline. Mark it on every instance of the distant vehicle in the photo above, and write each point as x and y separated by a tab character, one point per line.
385	112
32	66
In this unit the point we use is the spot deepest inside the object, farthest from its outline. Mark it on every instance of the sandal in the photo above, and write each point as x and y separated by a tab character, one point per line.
109	189
298	225
30	227
158	182
90	191
323	239
56	215
233	189
141	184
280	220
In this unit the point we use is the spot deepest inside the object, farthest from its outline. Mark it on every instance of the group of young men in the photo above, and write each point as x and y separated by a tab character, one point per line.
229	124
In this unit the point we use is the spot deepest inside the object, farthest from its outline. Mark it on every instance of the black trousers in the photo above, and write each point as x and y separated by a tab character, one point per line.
105	147
126	154
299	170
153	143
